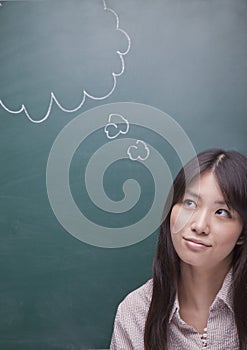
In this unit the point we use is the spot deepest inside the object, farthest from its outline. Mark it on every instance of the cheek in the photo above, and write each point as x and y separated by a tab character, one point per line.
179	218
173	215
174	219
231	235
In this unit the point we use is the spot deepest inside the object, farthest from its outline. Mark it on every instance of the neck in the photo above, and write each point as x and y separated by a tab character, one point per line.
198	287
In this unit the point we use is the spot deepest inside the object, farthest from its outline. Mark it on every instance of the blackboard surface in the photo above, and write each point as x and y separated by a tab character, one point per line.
58	60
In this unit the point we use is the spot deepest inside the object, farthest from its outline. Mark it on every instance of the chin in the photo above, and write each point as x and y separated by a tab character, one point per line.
197	262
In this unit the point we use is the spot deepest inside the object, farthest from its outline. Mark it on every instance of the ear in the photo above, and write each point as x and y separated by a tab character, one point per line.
240	240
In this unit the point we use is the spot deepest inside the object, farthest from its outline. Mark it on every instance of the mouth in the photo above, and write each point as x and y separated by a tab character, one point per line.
197	242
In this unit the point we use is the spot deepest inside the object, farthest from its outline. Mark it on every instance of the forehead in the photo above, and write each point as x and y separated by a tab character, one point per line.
205	185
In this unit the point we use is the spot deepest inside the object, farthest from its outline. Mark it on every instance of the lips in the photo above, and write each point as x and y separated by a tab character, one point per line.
196	241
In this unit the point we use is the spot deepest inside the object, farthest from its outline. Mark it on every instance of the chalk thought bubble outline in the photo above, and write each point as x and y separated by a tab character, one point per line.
53	98
138	157
115	125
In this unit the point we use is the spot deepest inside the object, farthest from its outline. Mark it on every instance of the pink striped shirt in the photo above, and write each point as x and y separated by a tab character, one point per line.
221	332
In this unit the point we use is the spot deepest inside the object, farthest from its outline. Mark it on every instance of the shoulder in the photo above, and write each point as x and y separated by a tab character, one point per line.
138	300
131	317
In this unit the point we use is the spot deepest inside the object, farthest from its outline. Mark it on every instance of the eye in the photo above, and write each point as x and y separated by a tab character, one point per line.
189	203
224	213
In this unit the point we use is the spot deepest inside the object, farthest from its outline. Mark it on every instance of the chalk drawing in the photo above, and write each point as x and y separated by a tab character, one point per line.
85	94
60	193
139	151
116	125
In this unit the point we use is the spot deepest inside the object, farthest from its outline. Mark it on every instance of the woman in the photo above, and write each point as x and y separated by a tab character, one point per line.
197	298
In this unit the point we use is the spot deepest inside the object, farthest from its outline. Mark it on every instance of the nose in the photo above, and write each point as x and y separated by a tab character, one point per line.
200	222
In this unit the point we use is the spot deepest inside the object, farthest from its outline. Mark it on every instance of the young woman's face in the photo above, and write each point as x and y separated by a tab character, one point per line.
204	230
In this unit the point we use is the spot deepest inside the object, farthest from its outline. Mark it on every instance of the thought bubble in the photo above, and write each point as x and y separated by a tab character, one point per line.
141	187
139	151
116	126
59	53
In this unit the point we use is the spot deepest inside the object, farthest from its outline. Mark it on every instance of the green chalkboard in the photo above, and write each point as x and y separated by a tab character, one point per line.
101	102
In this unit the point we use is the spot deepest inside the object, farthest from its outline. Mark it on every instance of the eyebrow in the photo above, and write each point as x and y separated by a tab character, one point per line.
193	194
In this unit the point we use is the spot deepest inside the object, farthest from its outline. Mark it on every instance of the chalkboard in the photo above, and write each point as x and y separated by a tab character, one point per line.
81	81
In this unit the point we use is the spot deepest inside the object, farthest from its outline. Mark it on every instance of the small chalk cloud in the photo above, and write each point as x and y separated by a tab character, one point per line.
139	151
59	53
116	126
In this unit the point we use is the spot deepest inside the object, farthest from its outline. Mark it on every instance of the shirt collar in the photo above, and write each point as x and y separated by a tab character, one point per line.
174	308
225	294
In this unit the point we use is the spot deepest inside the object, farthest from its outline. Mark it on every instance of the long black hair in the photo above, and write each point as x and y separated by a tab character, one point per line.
230	170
